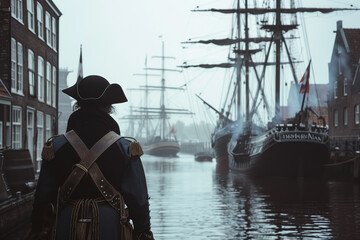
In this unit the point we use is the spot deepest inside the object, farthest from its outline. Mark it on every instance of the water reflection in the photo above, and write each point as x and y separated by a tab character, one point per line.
197	200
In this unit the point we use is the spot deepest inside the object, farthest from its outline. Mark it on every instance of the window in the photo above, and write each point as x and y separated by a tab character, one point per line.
346	116
335	89
31	68
48	126
53	31
40	92
16	129
48	28
54	87
20	68
40	21
48	83
345	86
13	65
357	114
336	118
17	68
17	10
40	138
30	132
31	16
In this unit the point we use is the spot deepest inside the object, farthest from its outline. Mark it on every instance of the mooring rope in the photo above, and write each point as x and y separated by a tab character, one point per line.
340	163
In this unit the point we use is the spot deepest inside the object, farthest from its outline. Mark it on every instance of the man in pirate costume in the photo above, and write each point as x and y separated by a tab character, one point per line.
90	171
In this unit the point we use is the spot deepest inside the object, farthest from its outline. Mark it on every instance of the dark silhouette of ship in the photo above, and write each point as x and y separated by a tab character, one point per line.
297	146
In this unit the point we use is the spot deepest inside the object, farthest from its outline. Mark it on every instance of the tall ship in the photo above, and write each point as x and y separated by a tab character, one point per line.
255	138
154	131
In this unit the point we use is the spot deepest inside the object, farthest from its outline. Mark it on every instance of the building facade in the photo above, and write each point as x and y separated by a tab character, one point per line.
65	108
29	63
344	94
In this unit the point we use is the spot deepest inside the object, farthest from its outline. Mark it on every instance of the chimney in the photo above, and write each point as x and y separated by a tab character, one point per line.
338	25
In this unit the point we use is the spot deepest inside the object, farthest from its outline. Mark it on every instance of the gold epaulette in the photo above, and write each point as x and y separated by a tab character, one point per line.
135	149
48	152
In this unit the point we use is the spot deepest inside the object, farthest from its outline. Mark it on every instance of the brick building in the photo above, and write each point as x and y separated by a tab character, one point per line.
29	63
344	95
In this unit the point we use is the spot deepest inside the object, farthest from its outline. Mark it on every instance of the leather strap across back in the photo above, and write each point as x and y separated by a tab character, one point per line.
88	165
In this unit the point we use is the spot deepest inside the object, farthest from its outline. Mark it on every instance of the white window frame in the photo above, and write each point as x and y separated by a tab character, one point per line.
40	138
31	15
30	117
357	114
48	82
336	118
17	10
40	93
335	89
31	72
20	69
48	132
40	21
346	116
53	33
16	119
17	69
13	65
48	28
53	86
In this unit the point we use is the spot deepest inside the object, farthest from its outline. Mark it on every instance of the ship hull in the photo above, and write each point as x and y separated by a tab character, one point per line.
220	149
294	153
220	140
162	148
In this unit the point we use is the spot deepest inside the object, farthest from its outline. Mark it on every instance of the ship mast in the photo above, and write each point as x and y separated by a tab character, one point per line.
247	56
277	38
146	99
278	33
238	68
163	111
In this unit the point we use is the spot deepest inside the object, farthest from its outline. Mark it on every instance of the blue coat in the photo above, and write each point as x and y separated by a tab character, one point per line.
125	173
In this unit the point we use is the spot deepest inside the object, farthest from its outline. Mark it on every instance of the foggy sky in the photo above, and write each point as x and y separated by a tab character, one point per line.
117	36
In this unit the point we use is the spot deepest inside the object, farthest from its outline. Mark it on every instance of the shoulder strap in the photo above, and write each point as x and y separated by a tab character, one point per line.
88	157
88	165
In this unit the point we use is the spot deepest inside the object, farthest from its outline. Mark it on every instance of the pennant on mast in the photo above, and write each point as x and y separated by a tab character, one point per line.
80	68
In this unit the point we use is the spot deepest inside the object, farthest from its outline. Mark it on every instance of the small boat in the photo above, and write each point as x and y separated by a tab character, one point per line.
162	147
203	157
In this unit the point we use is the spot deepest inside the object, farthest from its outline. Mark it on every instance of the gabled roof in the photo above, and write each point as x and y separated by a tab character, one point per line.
353	41
4	92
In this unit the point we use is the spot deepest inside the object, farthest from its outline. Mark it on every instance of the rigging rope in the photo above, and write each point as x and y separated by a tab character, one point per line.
340	163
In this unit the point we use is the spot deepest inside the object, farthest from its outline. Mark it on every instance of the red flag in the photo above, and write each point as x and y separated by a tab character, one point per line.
305	86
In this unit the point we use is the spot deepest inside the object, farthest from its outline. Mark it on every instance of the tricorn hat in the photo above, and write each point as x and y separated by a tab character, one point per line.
96	89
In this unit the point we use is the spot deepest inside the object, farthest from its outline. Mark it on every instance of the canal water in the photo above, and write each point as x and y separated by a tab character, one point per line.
197	200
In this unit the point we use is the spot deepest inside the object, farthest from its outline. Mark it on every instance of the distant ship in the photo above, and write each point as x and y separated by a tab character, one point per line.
282	147
161	140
